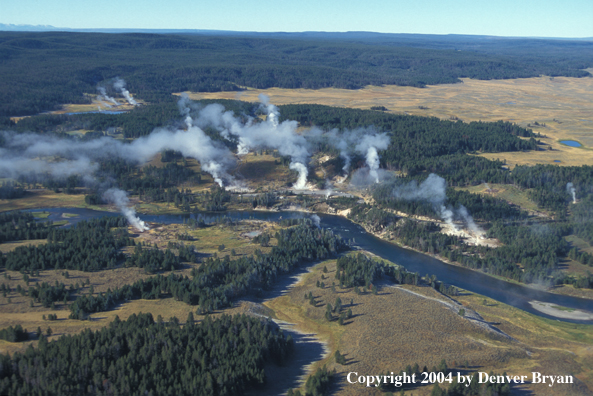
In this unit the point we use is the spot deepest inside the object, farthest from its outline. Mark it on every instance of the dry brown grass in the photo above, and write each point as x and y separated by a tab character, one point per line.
44	199
388	331
84	108
206	241
10	246
580	243
562	103
395	328
509	193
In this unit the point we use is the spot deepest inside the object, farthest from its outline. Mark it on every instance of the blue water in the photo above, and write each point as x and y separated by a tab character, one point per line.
99	112
557	161
571	143
509	293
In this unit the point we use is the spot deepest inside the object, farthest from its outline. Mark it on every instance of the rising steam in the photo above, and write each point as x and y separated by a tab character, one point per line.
363	141
316	220
368	147
120	199
120	86
272	112
572	191
433	190
270	134
104	98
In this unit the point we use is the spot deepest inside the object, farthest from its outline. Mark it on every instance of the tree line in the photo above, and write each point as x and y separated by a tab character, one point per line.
18	226
74	63
141	356
219	281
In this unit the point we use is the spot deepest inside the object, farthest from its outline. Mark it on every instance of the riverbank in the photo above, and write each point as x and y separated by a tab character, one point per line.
558	290
561	312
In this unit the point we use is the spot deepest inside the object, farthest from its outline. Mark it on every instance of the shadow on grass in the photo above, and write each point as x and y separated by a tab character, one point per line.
295	370
338	383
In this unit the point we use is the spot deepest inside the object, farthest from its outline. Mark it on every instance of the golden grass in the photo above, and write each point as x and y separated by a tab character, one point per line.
40	215
84	108
563	104
10	246
156	162
167	308
507	192
555	346
44	199
580	244
395	328
388	331
207	240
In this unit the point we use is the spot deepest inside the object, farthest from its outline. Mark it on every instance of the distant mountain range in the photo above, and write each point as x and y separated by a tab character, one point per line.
296	35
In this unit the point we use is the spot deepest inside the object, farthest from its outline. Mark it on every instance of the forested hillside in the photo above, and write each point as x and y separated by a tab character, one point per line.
42	71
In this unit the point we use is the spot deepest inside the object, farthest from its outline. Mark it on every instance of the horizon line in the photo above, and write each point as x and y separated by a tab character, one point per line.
50	28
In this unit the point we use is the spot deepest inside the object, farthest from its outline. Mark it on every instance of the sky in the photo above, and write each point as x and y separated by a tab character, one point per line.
524	18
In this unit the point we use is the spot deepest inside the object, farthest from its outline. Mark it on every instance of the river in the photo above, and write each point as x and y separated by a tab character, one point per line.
513	294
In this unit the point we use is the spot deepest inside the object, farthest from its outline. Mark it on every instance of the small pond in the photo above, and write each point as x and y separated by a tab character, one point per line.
99	112
571	143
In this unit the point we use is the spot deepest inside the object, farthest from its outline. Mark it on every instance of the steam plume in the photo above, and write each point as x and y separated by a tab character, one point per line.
272	111
328	189
364	141
120	199
36	154
316	220
571	190
369	146
469	221
120	85
104	98
269	134
432	190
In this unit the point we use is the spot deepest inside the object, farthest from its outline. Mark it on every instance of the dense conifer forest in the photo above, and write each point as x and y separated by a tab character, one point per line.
42	71
18	226
139	356
89	246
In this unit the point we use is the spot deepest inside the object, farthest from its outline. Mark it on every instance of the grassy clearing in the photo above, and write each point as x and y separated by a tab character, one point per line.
44	199
16	309
387	332
394	329
569	290
580	244
40	215
561	103
167	308
509	193
208	240
94	106
10	246
555	347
